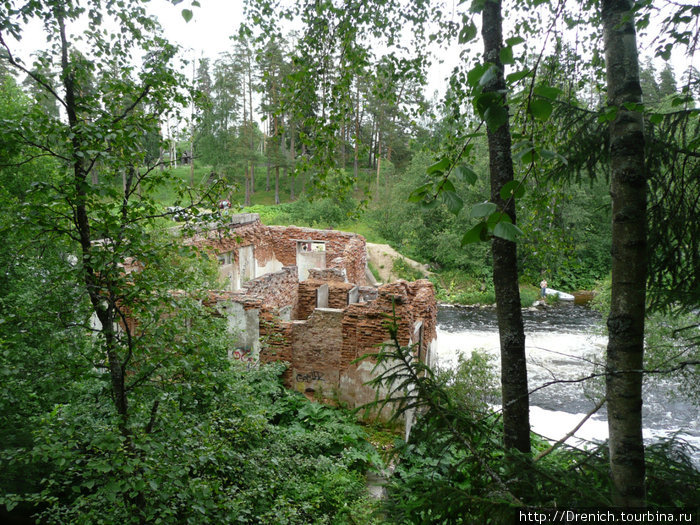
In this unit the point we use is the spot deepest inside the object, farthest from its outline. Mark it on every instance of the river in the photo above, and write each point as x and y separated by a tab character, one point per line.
564	342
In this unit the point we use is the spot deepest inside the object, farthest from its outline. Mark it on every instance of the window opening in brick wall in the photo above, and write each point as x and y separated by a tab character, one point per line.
322	296
311	246
310	254
418	338
225	258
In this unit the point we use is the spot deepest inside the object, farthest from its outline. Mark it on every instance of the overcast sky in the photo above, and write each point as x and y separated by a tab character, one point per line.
208	34
209	30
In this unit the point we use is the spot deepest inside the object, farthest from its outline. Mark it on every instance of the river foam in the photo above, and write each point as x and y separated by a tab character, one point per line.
564	344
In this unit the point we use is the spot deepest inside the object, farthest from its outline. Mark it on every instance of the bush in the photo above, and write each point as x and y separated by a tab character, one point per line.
249	451
454	469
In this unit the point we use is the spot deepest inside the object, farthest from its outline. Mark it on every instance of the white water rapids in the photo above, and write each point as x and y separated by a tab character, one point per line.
563	343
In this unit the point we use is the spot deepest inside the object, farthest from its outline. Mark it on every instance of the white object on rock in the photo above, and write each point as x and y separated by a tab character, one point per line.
563	296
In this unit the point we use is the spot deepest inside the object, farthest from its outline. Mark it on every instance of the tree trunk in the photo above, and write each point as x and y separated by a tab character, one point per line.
292	197
378	155
516	420
343	133
356	153
293	156
104	309
370	164
277	184
247	186
268	163
252	133
629	258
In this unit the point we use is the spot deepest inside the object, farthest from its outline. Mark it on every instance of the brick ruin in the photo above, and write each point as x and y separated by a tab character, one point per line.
303	296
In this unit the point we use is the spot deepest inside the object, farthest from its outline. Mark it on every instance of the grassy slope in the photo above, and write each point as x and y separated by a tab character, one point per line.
452	286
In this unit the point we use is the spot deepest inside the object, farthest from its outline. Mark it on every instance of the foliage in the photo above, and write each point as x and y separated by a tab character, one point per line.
454	468
375	272
121	405
405	271
431	234
242	450
334	78
473	383
672	350
318	213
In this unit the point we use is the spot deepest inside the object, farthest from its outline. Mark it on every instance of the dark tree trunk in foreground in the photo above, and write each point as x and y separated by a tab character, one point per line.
516	417
629	266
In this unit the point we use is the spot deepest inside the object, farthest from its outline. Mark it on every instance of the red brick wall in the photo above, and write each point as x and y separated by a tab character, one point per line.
316	347
277	289
343	250
327	274
322	348
321	345
306	298
276	338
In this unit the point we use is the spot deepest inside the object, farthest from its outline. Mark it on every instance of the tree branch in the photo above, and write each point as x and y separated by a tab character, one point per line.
35	77
568	435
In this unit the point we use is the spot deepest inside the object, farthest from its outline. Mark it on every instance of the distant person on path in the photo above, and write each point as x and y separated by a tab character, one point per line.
543	287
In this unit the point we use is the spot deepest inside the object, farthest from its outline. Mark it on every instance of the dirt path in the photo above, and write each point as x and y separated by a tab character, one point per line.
382	258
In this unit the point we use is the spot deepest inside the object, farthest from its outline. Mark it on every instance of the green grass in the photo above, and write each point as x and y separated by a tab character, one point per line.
404	271
167	194
364	229
374	271
453	286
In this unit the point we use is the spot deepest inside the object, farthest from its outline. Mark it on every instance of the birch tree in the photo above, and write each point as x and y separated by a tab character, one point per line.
629	257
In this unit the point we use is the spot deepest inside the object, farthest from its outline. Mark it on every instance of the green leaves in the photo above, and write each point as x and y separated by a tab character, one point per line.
506	55
496	115
427	194
609	114
453	201
468	31
493	223
466	174
478	233
420	193
512	78
483	210
187	14
513	188
439	166
540	109
507	231
490	107
540	106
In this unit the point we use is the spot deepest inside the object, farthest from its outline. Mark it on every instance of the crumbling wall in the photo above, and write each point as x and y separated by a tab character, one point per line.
344	251
327	274
275	246
248	309
322	325
322	345
275	290
307	296
316	342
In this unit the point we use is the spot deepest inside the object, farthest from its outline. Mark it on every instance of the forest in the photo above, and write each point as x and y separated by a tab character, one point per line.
564	144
